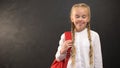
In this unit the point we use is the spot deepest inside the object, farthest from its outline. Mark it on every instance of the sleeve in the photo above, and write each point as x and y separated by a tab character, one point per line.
97	52
58	55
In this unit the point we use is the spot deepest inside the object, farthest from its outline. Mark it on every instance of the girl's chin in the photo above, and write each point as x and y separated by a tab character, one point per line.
79	29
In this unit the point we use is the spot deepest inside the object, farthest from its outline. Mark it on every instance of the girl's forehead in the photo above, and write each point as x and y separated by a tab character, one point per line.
80	10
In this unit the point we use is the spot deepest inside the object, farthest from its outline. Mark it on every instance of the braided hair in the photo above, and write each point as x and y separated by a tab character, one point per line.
73	51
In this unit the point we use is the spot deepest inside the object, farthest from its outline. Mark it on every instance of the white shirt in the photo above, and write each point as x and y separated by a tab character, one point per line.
82	50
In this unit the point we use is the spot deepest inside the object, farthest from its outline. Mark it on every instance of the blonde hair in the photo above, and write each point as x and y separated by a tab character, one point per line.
73	51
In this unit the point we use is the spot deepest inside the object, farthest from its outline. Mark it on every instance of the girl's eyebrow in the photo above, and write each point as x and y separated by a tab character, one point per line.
77	15
80	15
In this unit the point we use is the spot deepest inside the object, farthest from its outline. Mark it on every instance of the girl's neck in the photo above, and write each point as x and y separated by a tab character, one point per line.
79	30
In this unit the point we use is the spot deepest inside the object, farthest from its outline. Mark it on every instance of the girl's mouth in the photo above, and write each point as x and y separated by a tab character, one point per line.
80	23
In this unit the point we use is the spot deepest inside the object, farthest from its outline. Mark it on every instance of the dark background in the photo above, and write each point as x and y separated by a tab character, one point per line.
30	30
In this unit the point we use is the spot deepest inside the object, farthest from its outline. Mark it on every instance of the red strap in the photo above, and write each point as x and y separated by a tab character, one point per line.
68	35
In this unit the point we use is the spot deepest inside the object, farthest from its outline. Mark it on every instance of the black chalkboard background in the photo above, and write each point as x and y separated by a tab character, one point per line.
30	30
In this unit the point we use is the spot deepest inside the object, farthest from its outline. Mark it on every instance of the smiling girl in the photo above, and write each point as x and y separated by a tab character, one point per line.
85	44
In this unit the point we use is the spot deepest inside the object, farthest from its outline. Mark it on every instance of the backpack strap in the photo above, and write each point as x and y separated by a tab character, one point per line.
68	36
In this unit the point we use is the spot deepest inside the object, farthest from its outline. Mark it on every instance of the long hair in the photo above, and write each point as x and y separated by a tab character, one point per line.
73	52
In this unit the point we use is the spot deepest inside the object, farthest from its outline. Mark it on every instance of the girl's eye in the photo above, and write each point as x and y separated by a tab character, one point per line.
83	16
77	16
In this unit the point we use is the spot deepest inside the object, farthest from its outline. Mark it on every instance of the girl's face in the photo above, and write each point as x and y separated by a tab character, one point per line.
80	18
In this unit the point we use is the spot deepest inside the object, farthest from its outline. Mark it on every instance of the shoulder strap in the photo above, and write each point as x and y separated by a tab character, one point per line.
68	36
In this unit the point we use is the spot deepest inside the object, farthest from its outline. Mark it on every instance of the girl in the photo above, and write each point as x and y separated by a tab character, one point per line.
85	43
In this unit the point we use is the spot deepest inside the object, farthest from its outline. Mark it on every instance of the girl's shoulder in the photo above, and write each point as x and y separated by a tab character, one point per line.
63	34
94	33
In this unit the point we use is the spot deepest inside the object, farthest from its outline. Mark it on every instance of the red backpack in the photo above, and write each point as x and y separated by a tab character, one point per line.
63	63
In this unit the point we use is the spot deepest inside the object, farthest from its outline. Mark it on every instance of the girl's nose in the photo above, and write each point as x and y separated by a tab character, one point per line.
80	18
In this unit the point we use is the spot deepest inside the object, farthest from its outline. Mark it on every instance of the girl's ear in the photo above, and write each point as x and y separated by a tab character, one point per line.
71	19
88	20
